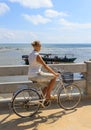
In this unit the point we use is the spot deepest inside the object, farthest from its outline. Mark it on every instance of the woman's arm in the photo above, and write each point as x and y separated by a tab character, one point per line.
41	61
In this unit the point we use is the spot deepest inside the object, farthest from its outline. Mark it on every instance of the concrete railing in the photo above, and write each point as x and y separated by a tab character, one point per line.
17	76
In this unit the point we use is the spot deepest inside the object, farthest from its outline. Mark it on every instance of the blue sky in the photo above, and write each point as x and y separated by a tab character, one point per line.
50	21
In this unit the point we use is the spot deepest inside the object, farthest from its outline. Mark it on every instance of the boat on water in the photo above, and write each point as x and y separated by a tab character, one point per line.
51	58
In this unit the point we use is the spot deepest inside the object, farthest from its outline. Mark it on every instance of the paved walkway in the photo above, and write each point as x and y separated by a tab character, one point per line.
52	118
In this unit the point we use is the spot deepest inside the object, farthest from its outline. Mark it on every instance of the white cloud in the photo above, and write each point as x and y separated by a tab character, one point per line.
36	19
6	34
3	8
34	3
66	36
53	13
16	36
68	24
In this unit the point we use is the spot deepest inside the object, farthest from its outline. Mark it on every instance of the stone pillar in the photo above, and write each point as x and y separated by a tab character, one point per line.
88	77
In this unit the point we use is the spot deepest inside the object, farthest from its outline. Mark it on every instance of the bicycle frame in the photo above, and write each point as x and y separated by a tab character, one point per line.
60	85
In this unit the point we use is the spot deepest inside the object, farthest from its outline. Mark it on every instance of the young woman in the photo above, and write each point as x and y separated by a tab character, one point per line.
36	74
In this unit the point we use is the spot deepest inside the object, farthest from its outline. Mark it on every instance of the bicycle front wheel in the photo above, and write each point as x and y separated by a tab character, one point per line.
26	102
69	97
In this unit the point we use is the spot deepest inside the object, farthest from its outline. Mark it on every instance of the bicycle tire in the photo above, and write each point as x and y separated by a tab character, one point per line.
69	97
24	103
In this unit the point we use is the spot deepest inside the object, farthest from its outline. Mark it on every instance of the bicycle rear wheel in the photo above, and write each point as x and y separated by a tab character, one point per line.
26	102
69	97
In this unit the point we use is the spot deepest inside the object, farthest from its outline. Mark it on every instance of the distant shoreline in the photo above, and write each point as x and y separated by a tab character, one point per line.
24	45
11	54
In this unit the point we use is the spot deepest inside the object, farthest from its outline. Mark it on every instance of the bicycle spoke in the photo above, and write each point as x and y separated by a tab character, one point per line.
69	97
26	103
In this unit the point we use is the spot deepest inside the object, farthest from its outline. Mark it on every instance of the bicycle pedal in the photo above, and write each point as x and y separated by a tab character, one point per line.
47	103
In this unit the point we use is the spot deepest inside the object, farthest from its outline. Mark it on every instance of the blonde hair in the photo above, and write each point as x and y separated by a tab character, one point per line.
36	43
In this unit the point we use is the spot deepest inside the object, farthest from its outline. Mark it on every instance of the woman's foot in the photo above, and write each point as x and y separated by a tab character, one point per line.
48	97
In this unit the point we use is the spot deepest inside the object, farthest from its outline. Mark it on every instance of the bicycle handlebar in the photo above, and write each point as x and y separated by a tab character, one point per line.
58	71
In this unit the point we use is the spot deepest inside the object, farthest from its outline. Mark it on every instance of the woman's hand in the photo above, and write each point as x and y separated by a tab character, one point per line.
56	74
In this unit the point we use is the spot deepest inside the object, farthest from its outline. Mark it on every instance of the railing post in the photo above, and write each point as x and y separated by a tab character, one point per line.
88	77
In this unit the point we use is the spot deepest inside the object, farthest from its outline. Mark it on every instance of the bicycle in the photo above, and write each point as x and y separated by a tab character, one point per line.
27	101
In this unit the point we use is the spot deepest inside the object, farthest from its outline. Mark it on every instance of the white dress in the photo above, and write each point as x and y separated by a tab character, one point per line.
34	66
34	72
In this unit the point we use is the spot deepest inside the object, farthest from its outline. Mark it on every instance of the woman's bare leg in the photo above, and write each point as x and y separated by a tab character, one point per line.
50	87
44	91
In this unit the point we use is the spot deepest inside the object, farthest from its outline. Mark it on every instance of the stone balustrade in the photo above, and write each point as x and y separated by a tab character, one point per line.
17	77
